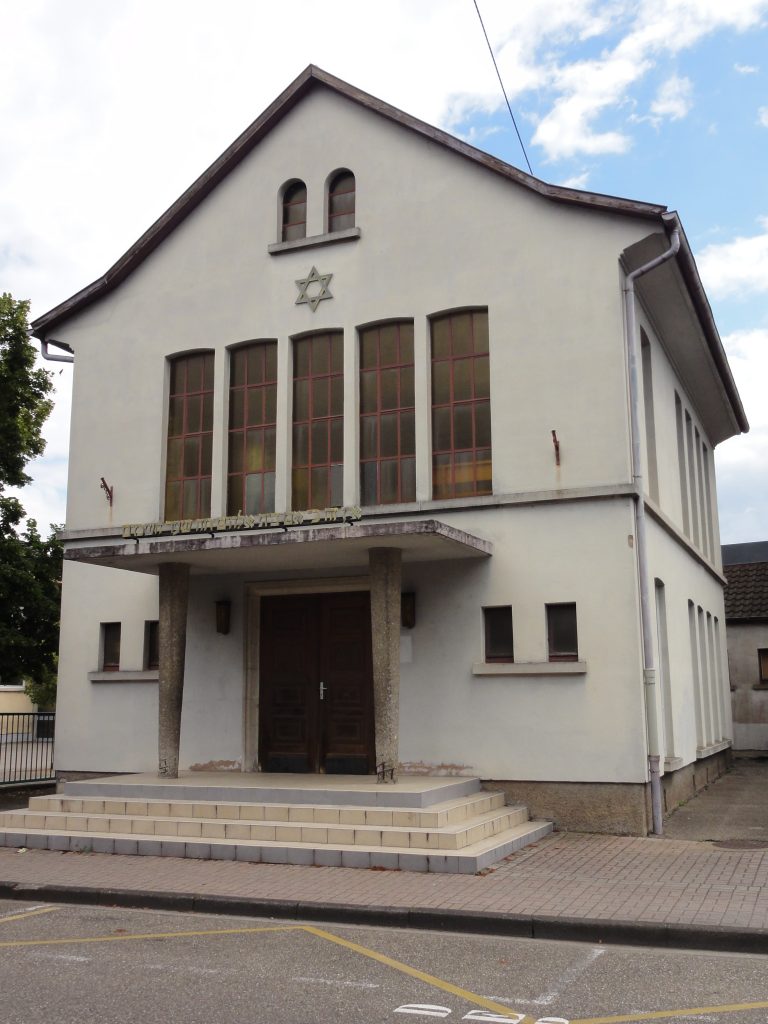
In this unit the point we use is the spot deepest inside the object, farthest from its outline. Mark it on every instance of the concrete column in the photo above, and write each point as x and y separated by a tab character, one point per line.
385	573
174	594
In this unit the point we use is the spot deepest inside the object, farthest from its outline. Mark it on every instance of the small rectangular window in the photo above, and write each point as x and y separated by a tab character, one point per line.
110	646
561	632
498	634
151	645
762	656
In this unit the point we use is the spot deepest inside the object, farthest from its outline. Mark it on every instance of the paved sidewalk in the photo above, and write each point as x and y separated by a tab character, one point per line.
573	886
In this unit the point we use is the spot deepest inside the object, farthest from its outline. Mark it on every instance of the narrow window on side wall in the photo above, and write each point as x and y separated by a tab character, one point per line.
498	634
110	647
562	639
762	658
152	644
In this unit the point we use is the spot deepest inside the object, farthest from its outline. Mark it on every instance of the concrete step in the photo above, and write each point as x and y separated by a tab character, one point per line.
469	860
449	836
446	813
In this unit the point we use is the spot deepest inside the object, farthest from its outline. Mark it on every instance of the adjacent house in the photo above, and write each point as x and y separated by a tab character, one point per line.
386	455
746	617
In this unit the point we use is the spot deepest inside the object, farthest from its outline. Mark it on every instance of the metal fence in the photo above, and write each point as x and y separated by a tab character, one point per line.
26	747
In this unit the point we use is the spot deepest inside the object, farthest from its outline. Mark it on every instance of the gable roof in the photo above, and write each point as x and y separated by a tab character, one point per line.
746	596
312	78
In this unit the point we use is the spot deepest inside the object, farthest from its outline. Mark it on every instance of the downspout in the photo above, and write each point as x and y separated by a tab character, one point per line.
50	355
646	618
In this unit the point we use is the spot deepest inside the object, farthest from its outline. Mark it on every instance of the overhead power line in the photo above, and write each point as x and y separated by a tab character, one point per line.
498	75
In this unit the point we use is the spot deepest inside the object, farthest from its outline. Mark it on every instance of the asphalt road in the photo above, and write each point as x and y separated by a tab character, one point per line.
76	965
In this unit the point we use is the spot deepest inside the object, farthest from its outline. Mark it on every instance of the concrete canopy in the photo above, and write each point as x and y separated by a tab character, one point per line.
278	550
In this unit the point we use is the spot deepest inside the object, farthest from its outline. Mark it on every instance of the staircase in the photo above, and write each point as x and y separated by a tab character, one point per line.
424	824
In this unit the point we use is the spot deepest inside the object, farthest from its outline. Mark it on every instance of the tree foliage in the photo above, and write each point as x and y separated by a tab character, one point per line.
30	566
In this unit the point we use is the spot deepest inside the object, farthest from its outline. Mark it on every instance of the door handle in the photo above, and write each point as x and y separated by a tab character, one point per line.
323	688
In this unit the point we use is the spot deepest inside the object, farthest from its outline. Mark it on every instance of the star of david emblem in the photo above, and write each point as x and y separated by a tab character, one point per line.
313	278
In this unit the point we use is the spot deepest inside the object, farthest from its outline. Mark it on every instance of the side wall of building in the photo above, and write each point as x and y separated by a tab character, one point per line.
750	695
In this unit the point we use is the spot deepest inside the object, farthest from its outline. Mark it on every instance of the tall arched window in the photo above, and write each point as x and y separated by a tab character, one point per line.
295	211
341	201
190	433
252	424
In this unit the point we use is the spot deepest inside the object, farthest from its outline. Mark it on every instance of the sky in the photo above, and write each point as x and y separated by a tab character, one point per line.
110	110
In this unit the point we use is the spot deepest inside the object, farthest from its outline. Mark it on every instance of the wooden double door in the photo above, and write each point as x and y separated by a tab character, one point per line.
316	684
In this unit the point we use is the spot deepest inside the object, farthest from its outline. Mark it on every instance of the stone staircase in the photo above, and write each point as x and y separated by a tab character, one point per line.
447	825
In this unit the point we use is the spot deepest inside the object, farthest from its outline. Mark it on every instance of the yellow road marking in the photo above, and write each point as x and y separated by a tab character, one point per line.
27	913
665	1014
150	935
430	979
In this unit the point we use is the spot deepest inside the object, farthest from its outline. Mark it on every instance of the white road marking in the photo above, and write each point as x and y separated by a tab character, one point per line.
67	957
335	981
25	910
424	1009
568	975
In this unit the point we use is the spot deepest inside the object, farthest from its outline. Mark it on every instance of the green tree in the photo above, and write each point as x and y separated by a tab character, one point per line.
30	567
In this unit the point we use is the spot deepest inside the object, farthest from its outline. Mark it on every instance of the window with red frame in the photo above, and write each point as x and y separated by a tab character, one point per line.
190	433
341	201
318	421
295	211
387	447
252	416
461	408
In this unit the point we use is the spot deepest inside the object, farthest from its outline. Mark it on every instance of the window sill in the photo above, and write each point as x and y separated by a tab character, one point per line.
713	748
11	688
760	686
313	241
529	668
125	676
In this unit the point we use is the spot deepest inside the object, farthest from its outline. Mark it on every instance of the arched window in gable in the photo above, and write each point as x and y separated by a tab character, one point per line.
294	211
341	201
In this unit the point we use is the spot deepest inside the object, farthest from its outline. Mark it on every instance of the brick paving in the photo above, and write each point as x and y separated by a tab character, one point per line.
607	878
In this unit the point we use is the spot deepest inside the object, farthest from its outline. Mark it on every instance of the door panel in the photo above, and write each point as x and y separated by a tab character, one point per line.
306	641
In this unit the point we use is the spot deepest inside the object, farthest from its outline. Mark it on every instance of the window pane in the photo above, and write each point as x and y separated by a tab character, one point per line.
462	427
441	338
337	440
172	501
194	414
388	437
270	403
482	377
255	406
341	221
235	495
480	326
207	423
389	380
175	452
176	417
178	376
319	451
254	454
407	434
441	476
206	453
337	396
763	660
321	354
406	343
301	445
189	499
110	632
368	494
462	379
483	424
441	429
388	481
319	492
301	400
368	391
337	352
255	355
441	382
253	494
293	231
408	480
320	397
300	488
237	368
498	634
269	448
271	360
406	387
368	437
268	502
337	485
483	473
301	357
463	473
369	350
236	405
204	504
388	344
153	645
208	371
461	333
191	456
194	373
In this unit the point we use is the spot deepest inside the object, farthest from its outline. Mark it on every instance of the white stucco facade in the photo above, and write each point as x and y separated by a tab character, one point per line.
438	229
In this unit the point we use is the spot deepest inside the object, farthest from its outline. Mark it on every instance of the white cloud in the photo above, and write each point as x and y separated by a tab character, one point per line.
738	267
576	181
673	99
762	116
745	69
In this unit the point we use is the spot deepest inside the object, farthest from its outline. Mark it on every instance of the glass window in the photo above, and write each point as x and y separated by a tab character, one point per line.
252	416
190	436
498	634
461	411
341	201
295	211
318	421
762	657
152	645
387	465
561	632
110	646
